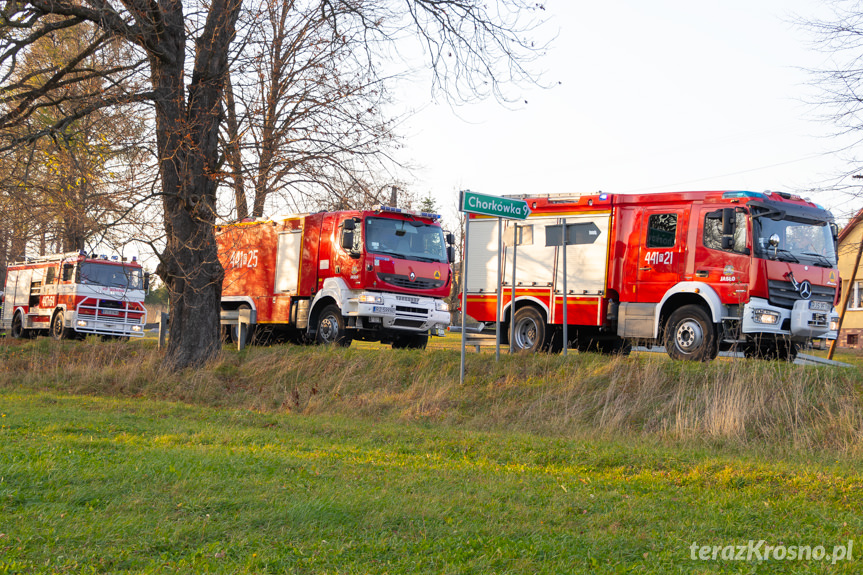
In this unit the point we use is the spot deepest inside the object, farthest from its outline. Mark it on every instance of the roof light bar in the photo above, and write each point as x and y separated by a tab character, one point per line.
411	212
728	195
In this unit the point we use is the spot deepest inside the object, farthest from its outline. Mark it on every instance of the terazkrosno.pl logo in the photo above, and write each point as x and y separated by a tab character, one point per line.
761	551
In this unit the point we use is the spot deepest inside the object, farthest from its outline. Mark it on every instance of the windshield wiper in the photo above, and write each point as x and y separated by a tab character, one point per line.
424	259
782	251
824	261
393	254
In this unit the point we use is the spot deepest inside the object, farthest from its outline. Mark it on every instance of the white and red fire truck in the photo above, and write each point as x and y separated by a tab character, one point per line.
697	272
331	277
72	295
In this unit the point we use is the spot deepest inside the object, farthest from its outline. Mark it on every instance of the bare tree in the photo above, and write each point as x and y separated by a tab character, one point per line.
840	100
473	50
303	111
839	85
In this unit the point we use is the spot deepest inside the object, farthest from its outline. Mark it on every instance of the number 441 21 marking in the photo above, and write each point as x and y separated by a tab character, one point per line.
653	258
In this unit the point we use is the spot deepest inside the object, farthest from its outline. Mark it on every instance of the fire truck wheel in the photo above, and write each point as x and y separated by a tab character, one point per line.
331	328
775	350
413	341
530	330
18	331
689	335
58	327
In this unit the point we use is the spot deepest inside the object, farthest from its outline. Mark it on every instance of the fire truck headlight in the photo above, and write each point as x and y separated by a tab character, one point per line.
834	325
136	328
370	298
441	305
765	316
82	323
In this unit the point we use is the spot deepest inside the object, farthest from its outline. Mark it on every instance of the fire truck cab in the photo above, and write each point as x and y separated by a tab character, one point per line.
71	295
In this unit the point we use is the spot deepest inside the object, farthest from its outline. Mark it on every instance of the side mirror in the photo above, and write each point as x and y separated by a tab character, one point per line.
350	225
146	282
729	225
774	241
450	254
450	238
348	240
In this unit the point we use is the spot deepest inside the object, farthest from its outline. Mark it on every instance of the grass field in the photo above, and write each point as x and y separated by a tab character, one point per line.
311	460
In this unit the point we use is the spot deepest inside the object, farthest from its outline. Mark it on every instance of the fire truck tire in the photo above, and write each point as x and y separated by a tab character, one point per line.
17	331
530	330
58	327
412	341
690	335
771	350
331	328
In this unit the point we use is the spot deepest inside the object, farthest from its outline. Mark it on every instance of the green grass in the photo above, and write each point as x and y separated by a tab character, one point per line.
312	460
105	485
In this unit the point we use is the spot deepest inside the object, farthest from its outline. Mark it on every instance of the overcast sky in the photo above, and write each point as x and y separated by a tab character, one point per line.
653	96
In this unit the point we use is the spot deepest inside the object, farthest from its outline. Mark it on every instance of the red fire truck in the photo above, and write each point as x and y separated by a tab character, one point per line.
74	294
331	277
697	272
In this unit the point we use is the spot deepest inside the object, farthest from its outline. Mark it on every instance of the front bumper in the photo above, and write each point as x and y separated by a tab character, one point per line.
100	320
375	310
799	323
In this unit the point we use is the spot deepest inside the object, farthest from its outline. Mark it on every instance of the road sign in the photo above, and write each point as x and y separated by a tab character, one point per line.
494	206
576	234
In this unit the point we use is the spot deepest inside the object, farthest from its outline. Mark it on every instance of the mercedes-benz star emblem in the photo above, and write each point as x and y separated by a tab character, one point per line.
805	289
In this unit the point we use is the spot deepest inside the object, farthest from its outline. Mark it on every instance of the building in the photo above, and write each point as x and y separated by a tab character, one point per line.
850	237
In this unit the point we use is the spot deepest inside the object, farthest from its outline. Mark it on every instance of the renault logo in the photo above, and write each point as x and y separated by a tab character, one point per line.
805	289
413	276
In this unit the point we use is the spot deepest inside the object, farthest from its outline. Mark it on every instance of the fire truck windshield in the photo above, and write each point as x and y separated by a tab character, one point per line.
794	239
405	239
108	275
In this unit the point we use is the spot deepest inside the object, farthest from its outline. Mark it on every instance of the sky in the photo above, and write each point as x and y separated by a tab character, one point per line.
653	96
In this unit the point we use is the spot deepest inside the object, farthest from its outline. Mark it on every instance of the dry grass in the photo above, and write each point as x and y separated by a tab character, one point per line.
740	402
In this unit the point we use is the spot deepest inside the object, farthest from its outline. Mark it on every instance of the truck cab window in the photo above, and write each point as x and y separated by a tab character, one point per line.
68	272
52	274
712	236
661	230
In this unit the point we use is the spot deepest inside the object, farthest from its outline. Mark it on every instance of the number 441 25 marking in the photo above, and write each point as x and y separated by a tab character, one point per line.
242	259
653	258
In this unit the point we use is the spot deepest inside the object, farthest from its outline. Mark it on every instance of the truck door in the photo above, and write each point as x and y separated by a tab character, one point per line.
725	266
661	252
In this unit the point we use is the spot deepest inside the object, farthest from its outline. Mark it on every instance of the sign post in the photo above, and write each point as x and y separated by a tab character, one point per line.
565	302
501	208
567	235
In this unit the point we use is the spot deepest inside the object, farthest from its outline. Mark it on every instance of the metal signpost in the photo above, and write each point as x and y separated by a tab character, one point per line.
567	235
501	208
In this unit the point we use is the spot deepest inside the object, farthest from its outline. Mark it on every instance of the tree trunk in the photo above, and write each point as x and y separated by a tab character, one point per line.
187	137
232	152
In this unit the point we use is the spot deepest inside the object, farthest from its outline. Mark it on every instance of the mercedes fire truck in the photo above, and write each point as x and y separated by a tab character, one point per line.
696	272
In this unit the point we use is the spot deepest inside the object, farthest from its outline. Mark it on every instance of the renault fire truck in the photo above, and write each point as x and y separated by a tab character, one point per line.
74	294
331	277
697	272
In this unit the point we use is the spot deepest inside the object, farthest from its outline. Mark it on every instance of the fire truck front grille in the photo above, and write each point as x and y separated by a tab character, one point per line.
414	310
405	282
783	294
